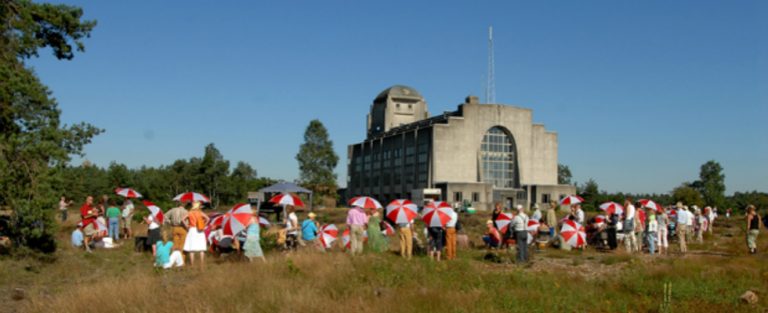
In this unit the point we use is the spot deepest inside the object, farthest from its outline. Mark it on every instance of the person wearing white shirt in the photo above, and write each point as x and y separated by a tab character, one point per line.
536	216
689	233
650	232
450	235
579	214
520	226
682	226
630	240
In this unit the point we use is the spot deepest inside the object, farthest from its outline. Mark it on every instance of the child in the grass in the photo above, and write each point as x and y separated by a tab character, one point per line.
164	257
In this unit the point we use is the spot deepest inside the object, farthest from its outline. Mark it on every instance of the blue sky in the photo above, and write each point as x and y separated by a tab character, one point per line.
641	92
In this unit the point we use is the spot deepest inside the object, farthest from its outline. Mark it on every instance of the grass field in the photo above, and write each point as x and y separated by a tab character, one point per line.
709	279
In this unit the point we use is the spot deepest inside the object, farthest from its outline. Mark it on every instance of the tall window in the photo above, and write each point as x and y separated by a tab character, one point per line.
498	156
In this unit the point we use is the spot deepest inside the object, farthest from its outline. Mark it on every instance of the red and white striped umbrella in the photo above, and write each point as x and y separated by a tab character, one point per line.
287	199
346	240
574	199
533	226
673	215
647	203
214	220
191	197
574	234
503	221
436	214
237	219
388	230
401	211
600	220
612	208
328	234
264	222
365	203
155	212
127	192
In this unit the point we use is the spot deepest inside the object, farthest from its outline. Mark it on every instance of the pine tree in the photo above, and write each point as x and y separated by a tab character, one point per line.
317	160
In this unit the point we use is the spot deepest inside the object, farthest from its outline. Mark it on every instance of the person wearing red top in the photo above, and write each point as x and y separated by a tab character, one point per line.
88	217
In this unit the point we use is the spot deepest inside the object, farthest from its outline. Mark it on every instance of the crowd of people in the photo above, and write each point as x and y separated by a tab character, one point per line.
185	232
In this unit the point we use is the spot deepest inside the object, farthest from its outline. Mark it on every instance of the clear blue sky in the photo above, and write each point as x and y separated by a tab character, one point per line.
641	92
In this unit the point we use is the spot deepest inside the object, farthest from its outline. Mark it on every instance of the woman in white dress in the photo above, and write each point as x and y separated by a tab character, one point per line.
195	241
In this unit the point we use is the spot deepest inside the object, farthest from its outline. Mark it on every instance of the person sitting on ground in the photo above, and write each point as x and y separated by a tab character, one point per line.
77	236
164	258
492	237
309	229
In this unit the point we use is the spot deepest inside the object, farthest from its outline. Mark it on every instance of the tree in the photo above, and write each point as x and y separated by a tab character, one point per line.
711	184
591	193
687	195
563	174
34	145
317	160
213	168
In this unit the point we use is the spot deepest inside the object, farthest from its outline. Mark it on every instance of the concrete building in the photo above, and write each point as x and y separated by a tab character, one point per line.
480	153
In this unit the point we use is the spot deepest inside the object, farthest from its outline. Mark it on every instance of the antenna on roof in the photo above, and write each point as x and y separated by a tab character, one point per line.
490	85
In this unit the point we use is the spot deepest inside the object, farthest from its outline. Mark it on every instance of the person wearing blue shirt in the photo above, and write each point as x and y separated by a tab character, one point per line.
309	229
77	238
164	257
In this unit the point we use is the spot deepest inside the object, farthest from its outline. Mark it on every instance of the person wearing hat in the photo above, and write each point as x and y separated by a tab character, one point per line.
196	241
536	216
552	218
492	237
520	226
309	229
682	225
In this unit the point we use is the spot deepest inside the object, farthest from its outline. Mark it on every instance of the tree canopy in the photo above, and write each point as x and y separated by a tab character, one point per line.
317	160
34	145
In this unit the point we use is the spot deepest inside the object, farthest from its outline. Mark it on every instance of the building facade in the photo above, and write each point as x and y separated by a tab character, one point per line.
479	154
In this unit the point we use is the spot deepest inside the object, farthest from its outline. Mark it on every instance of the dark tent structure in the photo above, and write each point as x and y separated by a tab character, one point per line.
284	187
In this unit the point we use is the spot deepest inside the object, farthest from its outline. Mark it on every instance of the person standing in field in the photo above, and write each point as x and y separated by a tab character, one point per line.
650	231
520	226
630	241
497	210
356	222
195	242
552	219
177	219
127	218
292	228
682	225
64	208
88	219
154	234
662	219
753	228
405	231
450	235
435	234
376	241
613	220
113	215
252	246
579	214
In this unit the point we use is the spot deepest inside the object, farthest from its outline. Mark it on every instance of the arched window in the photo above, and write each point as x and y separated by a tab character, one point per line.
498	158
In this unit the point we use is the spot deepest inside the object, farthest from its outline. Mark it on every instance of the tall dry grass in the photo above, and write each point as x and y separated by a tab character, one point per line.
121	280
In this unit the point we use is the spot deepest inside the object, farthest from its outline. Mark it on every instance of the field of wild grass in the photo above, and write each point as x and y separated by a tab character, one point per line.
710	279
